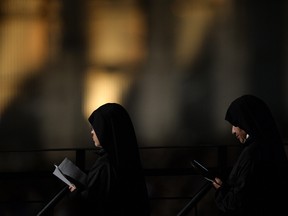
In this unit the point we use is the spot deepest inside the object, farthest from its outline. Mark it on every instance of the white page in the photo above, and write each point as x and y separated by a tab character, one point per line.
69	169
58	173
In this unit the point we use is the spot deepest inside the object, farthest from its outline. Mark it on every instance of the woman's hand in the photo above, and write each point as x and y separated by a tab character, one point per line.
217	183
72	188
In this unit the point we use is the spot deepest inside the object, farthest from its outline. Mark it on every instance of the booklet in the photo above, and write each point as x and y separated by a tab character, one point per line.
202	170
69	173
61	176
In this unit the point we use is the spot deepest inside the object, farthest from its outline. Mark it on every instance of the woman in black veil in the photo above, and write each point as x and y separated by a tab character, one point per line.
115	183
257	183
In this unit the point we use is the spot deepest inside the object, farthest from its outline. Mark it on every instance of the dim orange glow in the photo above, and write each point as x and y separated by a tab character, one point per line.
102	87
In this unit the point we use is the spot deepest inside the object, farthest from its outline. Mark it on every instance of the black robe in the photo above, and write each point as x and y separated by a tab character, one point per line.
116	182
257	184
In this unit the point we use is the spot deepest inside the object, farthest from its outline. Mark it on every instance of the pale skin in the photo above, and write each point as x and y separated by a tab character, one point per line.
97	144
241	135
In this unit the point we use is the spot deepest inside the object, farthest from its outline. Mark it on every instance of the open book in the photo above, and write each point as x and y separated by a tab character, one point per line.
202	170
69	173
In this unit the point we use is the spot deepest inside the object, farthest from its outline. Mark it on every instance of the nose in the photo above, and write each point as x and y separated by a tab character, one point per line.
233	130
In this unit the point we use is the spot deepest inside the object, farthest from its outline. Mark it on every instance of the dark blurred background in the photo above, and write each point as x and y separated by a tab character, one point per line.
174	64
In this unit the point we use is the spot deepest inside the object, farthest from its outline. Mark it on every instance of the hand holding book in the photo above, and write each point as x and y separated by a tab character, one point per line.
202	170
57	172
217	183
70	174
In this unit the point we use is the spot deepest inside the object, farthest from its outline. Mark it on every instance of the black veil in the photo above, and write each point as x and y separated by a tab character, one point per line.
251	114
116	134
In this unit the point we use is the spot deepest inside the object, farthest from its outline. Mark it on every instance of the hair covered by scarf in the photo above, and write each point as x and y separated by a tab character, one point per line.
252	115
115	131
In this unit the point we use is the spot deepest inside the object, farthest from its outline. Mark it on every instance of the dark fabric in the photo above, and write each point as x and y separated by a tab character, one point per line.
116	183
257	184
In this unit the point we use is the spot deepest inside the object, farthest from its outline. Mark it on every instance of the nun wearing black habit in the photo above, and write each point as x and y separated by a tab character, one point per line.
257	183
115	183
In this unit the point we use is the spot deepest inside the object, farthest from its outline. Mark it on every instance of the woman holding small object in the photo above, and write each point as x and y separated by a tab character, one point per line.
258	178
115	183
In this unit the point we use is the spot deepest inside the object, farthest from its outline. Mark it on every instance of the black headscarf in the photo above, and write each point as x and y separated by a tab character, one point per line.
116	134
116	181
252	115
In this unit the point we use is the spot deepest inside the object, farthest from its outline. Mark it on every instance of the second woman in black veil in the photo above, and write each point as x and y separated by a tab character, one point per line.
257	184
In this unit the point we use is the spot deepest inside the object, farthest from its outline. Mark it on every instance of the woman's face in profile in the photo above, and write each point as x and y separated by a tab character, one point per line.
95	138
240	134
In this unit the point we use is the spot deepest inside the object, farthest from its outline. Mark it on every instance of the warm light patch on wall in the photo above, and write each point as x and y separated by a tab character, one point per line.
23	49
116	34
103	87
116	48
195	21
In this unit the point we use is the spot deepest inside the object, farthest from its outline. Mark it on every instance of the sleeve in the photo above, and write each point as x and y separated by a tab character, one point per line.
95	196
99	184
231	195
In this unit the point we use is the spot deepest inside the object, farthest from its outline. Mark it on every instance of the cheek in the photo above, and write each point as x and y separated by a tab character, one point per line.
243	133
94	136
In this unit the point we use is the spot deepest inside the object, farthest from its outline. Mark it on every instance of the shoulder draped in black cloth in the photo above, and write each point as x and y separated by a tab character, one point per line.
257	183
116	182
